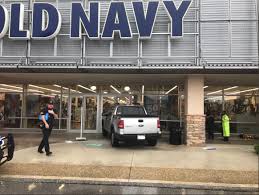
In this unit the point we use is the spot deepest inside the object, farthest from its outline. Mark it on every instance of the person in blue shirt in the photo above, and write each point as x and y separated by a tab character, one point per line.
48	115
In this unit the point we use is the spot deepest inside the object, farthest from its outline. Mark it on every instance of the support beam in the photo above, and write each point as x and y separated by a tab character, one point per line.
194	111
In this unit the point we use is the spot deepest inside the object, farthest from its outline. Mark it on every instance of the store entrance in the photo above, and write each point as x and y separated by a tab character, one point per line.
84	113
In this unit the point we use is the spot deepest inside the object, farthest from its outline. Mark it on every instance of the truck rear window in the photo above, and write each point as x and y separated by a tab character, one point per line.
131	111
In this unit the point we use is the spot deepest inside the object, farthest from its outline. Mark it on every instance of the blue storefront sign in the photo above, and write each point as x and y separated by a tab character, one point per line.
47	20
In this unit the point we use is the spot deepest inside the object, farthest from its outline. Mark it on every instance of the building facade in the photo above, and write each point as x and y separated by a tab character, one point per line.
180	59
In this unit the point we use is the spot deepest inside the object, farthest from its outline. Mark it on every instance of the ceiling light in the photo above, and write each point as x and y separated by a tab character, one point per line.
127	88
205	87
60	87
227	89
43	95
34	90
86	88
214	98
30	90
75	91
171	89
4	85
35	86
93	88
105	92
115	89
214	92
12	90
248	90
51	96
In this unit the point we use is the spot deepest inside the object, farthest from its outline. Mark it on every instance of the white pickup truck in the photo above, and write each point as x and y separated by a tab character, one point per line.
130	123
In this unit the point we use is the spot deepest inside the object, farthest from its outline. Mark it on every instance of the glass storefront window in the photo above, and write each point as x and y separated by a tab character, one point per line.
121	90
50	90
64	112
90	112
241	104
10	105
237	90
83	106
159	100
213	90
214	105
34	104
83	89
36	98
10	110
166	107
243	112
109	102
162	89
76	104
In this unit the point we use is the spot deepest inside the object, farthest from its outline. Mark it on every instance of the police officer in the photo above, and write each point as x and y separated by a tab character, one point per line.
210	122
46	126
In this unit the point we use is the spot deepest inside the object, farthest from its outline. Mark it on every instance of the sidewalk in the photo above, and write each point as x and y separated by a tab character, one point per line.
229	164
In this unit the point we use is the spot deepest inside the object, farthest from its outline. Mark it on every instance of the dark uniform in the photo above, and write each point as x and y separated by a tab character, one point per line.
46	132
211	126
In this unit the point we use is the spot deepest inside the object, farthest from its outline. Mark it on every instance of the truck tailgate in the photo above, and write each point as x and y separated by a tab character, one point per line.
145	125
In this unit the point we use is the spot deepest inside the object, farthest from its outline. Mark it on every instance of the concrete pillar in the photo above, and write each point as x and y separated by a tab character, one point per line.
194	111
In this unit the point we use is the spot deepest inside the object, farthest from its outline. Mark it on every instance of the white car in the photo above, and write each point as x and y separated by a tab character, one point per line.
130	123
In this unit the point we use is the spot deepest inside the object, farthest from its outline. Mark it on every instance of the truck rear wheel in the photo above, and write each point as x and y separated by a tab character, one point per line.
114	140
152	142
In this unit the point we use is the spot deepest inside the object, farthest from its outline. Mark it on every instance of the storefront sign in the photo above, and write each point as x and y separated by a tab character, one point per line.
47	20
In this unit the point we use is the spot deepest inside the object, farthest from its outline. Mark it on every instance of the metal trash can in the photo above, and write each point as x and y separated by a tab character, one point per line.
175	137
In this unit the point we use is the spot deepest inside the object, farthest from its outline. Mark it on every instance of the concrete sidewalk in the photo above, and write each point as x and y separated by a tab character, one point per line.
233	164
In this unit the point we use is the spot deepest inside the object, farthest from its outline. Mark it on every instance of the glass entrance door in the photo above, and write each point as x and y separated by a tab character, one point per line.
84	113
90	113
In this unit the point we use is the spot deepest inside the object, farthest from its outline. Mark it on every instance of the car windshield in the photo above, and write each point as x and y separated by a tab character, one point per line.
131	110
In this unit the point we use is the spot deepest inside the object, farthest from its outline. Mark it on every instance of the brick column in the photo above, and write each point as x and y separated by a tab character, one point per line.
194	111
195	130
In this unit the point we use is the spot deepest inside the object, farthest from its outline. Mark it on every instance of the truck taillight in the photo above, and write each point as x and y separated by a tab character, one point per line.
121	124
158	123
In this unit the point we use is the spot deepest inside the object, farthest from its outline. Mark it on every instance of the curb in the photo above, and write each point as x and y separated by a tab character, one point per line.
131	182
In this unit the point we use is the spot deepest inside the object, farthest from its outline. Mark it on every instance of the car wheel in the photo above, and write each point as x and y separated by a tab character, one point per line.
114	141
152	142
